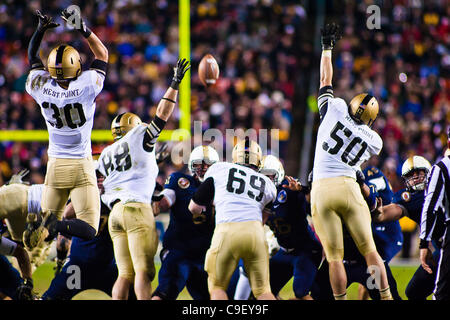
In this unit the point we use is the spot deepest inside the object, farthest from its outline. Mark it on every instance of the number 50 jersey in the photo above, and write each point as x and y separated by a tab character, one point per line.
68	113
130	171
342	144
240	193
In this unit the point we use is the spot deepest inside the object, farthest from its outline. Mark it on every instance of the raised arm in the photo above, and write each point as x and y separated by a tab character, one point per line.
45	23
330	34
73	18
165	106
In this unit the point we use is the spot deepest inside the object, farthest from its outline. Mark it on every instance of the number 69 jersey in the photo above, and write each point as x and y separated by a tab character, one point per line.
130	171
68	113
342	144
240	193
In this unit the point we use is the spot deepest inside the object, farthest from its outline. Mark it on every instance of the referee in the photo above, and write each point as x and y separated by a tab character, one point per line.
437	204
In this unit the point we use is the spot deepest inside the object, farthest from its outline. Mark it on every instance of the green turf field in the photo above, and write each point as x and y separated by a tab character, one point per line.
44	274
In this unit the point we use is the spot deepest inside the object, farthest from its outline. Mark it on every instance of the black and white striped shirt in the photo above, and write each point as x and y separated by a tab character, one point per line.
436	203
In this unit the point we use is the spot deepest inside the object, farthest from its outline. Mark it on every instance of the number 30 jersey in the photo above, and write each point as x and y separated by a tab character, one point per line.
130	171
240	193
68	113
342	144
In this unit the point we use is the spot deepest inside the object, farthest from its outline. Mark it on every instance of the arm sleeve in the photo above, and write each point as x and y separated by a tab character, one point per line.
205	193
170	195
33	50
99	66
372	199
152	133
325	93
433	201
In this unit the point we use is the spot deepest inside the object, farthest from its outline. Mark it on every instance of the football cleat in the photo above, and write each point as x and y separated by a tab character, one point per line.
35	232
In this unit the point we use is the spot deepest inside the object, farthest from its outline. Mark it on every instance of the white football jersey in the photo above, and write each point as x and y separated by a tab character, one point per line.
68	114
130	171
342	144
240	193
34	198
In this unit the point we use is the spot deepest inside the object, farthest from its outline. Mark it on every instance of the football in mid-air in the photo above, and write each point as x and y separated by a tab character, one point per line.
208	70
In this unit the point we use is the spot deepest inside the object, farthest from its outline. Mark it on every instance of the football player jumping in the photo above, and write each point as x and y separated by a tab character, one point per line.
240	195
344	141
66	96
185	241
130	170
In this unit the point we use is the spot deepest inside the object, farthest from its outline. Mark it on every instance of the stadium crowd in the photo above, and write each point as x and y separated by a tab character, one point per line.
405	65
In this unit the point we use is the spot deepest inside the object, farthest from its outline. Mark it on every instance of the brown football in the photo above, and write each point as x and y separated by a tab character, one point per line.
208	70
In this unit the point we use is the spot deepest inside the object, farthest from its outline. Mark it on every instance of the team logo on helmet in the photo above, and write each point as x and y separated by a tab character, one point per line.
282	196
183	183
406	196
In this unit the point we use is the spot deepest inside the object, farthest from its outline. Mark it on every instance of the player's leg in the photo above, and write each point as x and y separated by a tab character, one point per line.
442	289
326	194
85	198
421	285
197	282
305	270
37	226
321	288
14	208
10	278
249	241
121	253
358	222
172	275
221	261
62	286
143	243
281	270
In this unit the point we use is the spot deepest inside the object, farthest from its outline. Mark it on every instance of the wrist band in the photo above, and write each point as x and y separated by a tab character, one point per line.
326	53
173	101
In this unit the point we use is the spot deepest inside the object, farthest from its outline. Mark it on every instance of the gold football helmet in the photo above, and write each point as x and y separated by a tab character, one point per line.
64	63
247	152
364	109
123	123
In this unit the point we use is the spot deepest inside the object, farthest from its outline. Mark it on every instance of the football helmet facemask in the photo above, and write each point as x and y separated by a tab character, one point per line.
64	63
415	180
364	109
272	166
201	158
123	123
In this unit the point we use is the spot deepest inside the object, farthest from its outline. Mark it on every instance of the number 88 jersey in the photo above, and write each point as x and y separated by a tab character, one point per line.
240	193
130	172
342	144
68	113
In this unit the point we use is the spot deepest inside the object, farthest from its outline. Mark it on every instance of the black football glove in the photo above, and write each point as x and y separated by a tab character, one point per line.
182	67
330	35
73	18
360	178
25	290
45	22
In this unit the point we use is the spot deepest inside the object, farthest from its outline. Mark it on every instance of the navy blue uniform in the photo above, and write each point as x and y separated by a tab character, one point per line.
93	259
388	239
422	283
300	252
184	244
10	278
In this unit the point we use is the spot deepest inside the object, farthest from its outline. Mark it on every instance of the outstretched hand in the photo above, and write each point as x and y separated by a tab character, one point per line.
330	35
45	22
293	184
73	18
179	71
